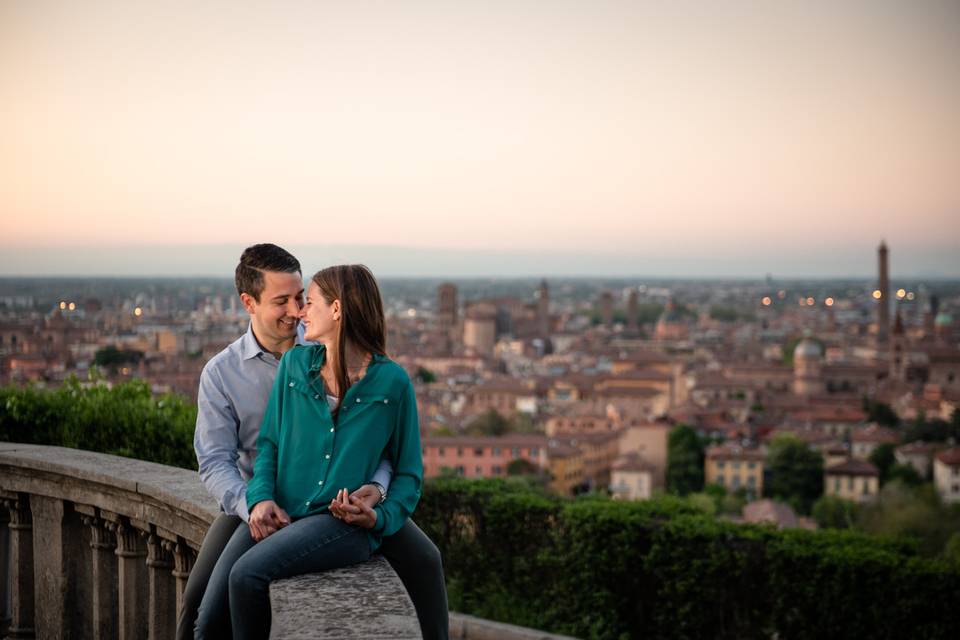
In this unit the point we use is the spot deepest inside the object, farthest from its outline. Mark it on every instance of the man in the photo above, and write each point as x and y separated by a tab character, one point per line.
234	388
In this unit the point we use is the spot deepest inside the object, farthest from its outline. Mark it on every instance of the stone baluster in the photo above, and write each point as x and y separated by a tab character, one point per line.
104	606
131	579
162	608
21	565
61	557
4	571
183	559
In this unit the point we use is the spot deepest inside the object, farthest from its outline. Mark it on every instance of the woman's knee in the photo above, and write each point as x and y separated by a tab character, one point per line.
244	577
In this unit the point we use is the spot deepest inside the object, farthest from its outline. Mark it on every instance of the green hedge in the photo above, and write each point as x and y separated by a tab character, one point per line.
592	567
605	569
125	419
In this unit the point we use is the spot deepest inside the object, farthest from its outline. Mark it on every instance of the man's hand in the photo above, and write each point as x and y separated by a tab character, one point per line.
357	508
267	517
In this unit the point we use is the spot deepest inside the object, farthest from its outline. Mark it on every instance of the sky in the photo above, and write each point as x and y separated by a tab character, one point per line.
468	138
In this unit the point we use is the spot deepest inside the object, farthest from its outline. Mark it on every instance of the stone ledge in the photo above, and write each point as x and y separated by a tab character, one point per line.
362	601
464	627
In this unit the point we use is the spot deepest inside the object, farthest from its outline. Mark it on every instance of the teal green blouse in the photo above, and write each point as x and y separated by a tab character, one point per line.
304	458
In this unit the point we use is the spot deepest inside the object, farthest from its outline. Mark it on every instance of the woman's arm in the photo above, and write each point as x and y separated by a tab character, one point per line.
404	450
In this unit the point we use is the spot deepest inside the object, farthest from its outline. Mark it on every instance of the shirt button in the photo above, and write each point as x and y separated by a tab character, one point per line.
358	400
328	456
291	384
321	482
308	503
331	429
316	396
385	401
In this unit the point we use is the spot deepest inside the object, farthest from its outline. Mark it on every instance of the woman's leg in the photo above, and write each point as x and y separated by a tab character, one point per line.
213	616
417	561
314	543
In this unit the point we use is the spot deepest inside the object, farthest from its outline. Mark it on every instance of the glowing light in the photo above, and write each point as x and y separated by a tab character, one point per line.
411	312
901	293
138	312
877	294
72	306
803	302
810	301
781	294
63	305
766	301
828	302
125	371
911	295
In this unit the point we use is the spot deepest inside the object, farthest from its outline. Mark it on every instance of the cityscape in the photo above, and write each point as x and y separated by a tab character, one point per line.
577	381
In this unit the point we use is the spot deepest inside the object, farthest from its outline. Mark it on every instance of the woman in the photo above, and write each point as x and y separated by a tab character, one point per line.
336	409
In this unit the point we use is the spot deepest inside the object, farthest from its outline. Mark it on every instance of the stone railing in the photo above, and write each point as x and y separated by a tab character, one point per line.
99	546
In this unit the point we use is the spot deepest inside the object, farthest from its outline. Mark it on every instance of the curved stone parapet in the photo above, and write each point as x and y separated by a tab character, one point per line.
100	546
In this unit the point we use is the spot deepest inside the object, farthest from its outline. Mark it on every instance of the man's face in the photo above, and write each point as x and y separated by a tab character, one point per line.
274	317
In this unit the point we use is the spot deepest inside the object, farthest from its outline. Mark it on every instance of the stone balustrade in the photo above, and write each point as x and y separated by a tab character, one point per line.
100	546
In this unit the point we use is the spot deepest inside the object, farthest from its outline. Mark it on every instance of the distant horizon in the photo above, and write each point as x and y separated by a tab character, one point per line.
219	260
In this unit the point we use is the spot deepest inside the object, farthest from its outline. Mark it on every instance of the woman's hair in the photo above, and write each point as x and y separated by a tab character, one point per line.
361	313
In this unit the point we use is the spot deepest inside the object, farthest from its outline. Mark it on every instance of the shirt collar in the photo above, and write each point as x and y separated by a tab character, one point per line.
249	347
320	354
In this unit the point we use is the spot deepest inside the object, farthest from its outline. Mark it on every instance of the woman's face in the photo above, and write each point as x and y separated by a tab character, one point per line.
320	319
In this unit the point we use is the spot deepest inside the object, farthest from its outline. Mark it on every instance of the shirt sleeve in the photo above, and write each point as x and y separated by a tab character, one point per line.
263	484
384	473
216	441
404	449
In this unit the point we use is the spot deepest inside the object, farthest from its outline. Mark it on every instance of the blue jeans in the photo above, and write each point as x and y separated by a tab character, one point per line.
237	600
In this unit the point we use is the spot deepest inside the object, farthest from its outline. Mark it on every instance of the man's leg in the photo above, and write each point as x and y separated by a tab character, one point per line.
418	563
311	544
213	543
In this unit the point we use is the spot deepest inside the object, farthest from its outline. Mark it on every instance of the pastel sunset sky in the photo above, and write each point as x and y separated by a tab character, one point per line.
499	137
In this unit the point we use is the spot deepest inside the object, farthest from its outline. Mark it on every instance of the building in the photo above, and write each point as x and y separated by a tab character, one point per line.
853	479
632	478
865	440
565	464
481	457
480	329
882	295
807	374
918	455
946	475
734	467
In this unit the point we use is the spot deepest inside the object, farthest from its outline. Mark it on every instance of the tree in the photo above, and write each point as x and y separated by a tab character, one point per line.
425	376
110	357
796	473
905	474
881	413
490	423
834	513
522	467
883	459
684	461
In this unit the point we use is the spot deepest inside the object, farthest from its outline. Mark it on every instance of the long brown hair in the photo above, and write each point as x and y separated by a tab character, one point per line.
361	313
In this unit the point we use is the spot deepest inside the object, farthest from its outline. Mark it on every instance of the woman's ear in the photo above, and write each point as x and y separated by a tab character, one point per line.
335	308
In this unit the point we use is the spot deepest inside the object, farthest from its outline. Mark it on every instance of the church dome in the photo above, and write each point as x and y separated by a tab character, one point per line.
807	349
943	319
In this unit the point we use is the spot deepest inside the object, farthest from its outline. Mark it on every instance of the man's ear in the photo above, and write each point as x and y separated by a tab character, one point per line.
248	303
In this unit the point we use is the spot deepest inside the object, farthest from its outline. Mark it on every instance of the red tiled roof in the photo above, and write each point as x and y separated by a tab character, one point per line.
853	467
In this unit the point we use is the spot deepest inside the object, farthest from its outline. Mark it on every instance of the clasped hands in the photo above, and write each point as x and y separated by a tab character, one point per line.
354	508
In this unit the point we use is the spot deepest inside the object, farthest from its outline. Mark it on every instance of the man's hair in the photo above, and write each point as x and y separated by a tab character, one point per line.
257	259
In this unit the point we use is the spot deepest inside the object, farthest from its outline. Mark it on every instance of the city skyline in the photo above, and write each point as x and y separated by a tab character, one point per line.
469	139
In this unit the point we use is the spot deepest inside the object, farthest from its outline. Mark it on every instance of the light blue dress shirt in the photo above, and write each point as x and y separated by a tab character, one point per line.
234	390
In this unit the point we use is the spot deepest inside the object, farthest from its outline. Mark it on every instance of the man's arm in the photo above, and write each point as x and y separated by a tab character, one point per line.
216	442
383	474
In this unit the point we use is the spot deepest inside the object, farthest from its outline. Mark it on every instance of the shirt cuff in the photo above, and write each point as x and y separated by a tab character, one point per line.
381	520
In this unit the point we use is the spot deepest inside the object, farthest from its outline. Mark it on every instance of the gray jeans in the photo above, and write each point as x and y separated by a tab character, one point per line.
410	552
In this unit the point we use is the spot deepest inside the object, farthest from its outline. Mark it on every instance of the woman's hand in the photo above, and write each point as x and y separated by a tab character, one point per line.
267	517
356	508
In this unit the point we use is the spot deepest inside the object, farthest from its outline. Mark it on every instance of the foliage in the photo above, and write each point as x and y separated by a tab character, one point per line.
492	423
834	513
796	473
110	357
125	419
597	568
914	513
881	413
882	457
935	430
522	467
425	376
730	314
684	461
